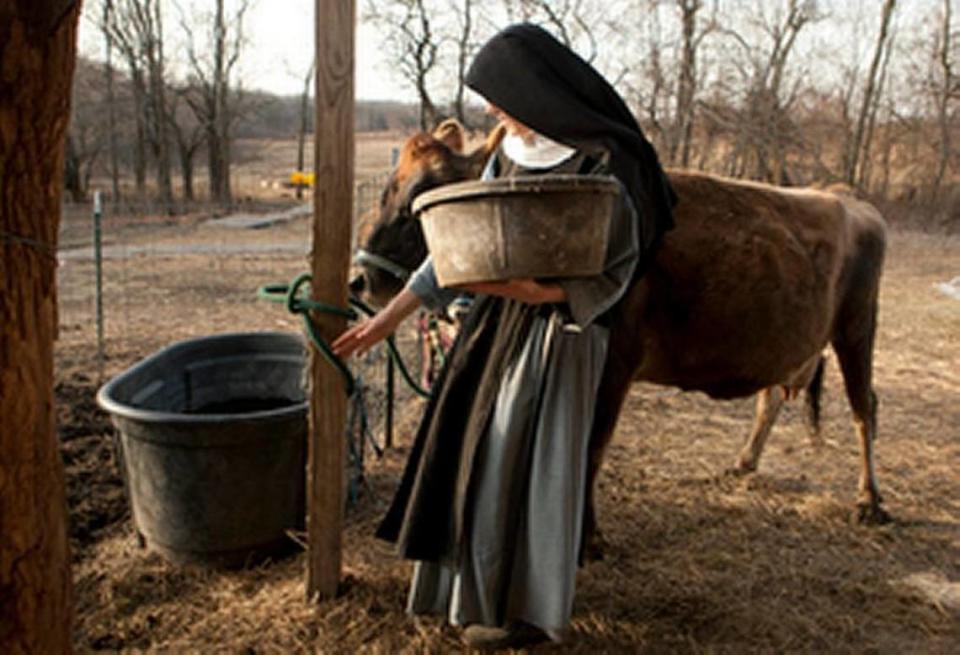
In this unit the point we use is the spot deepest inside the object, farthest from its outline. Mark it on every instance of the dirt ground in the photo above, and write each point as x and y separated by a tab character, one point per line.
697	561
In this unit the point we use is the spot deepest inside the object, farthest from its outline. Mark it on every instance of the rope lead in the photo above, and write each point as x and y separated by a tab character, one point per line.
297	303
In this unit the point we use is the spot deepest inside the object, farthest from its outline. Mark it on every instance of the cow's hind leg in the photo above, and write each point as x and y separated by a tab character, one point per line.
769	402
612	393
812	404
854	350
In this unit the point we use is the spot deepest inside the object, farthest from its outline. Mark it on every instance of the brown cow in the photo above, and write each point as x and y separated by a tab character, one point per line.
742	297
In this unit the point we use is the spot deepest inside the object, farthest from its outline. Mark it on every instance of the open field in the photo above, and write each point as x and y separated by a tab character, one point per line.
698	562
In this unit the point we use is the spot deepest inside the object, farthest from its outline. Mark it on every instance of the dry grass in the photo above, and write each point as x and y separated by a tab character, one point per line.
698	562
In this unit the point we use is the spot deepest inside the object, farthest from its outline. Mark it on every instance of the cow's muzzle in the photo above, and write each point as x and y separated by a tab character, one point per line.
358	284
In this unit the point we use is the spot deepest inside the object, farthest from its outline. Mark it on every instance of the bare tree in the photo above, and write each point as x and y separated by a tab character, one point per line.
82	150
117	24
88	134
574	22
463	10
644	76
413	47
866	161
946	88
151	27
37	54
663	80
681	142
188	135
571	21
764	126
111	101
216	106
860	145
517	10
136	27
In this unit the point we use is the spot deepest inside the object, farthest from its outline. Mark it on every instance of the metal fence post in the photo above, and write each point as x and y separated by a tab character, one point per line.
388	413
98	258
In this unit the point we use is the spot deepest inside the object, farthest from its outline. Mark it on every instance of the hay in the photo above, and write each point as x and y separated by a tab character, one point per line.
697	561
933	587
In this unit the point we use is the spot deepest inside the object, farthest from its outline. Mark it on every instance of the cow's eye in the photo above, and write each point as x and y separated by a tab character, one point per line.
404	213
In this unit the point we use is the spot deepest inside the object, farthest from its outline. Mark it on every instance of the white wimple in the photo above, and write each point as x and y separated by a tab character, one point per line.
535	152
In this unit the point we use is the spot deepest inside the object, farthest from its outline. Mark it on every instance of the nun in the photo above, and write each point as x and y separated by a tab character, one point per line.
491	504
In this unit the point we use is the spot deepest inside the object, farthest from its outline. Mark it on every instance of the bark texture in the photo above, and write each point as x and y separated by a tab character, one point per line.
37	52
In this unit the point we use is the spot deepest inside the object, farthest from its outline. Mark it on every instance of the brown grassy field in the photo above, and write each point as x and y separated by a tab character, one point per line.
698	562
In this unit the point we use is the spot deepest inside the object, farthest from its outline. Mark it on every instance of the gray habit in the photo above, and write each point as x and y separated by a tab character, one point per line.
522	534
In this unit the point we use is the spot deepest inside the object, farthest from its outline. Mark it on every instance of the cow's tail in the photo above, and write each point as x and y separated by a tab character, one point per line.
814	389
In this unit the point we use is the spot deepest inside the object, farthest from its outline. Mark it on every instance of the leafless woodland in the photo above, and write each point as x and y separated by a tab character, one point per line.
793	92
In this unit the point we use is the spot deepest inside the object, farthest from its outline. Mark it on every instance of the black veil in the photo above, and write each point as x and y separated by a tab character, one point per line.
530	75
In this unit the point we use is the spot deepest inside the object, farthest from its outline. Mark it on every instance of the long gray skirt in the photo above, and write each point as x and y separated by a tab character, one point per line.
522	539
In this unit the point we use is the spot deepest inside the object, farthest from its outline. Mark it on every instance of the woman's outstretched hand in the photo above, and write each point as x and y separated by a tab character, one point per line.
361	337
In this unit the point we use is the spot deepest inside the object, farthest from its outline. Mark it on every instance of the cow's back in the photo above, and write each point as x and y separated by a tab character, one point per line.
745	289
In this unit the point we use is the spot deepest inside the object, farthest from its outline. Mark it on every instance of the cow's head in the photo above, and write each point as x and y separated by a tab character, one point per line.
394	246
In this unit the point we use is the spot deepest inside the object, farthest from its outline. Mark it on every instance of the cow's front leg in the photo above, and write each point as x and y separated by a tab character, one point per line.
617	376
594	545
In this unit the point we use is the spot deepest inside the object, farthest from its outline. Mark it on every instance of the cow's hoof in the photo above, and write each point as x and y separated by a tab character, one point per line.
872	514
595	548
739	470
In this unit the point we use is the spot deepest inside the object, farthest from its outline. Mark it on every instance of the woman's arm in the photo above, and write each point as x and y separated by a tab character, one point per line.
525	290
366	334
362	336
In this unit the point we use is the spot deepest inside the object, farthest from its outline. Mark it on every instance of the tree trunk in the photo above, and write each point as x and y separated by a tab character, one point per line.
72	181
37	52
158	115
686	86
866	160
858	148
220	120
944	95
225	190
463	54
186	170
140	147
428	111
111	106
214	167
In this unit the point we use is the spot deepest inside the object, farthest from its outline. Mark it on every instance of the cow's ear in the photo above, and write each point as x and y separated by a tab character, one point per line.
493	139
479	157
450	133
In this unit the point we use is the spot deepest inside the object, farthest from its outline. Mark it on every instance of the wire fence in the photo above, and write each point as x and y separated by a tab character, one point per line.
165	279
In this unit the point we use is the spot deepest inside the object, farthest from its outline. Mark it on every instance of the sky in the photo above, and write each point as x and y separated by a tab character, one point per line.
280	49
280	45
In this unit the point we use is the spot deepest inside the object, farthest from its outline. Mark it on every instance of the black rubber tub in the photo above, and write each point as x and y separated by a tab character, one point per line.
213	442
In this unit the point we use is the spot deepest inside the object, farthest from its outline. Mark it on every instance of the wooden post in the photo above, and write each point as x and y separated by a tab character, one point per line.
332	218
37	54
